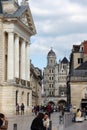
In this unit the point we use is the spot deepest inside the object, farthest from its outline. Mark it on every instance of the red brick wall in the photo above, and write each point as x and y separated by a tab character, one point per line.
85	47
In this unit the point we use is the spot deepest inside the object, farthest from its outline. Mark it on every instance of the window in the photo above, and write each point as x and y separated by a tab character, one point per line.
49	78
80	60
62	91
16	98
49	71
49	85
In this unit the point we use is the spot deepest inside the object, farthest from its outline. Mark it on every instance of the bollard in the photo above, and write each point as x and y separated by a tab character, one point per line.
60	119
50	125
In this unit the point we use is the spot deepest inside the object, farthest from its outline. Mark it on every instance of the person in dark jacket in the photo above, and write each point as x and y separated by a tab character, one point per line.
1	122
37	123
4	122
22	109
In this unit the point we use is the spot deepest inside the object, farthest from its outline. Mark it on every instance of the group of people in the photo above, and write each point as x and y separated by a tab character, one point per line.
3	122
36	109
41	122
18	108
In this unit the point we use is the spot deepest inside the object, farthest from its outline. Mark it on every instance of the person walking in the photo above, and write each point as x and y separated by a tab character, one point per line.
4	122
22	109
49	110
37	123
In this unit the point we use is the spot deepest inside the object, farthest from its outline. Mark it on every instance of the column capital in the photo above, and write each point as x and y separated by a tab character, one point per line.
27	43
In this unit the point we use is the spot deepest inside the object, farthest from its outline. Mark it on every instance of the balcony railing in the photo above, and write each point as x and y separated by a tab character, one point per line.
22	82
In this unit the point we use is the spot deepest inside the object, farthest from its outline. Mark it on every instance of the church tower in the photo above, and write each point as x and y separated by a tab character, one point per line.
51	58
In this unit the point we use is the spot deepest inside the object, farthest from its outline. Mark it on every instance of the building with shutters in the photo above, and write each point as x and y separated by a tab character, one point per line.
78	75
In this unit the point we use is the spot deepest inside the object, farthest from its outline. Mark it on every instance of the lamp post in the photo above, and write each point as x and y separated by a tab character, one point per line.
68	92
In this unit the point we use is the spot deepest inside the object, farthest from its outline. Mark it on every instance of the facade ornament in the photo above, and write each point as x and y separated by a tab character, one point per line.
24	2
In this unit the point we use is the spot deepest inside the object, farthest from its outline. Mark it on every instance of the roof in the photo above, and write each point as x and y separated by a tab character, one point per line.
83	66
17	13
64	60
20	10
51	53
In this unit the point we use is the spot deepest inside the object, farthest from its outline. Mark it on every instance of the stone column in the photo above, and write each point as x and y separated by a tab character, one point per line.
23	60
16	56
10	65
27	63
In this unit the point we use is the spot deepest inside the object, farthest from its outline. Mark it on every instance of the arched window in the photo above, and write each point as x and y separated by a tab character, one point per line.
16	98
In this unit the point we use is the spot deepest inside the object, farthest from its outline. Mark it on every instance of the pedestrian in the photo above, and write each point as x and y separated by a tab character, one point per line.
46	121
35	110
3	122
22	109
49	110
17	109
37	123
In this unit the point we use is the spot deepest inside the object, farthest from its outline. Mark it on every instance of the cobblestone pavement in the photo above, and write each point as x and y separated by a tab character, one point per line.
57	126
77	126
54	119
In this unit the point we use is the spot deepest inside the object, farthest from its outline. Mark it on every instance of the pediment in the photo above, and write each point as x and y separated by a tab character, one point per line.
25	19
24	15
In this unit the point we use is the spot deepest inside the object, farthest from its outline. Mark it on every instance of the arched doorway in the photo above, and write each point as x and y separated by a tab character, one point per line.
61	104
51	102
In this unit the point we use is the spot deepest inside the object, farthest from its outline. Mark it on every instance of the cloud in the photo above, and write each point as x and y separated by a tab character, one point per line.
59	24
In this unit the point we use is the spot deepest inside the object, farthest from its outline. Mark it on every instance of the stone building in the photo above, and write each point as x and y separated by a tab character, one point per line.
16	28
36	85
54	79
78	75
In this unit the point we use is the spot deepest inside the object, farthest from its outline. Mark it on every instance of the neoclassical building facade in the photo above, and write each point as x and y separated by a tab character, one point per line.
55	79
16	28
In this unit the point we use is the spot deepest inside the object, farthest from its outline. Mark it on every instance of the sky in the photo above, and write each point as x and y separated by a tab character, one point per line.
60	24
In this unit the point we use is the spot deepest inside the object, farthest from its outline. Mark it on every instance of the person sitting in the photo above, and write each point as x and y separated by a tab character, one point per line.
79	116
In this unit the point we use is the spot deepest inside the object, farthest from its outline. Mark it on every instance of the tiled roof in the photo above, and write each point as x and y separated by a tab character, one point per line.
83	66
65	61
20	10
17	13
